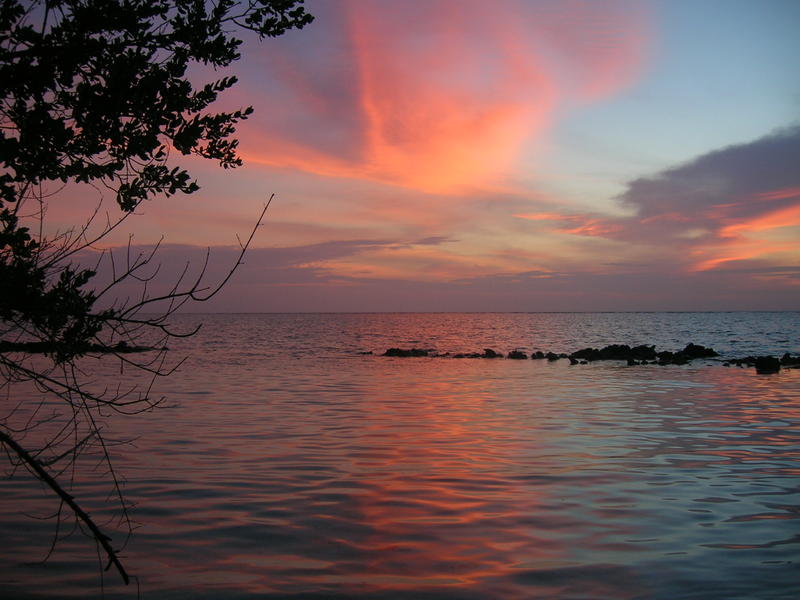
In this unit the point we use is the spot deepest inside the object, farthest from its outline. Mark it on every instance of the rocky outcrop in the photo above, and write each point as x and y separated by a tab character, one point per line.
767	364
696	351
787	360
616	352
644	354
404	353
631	355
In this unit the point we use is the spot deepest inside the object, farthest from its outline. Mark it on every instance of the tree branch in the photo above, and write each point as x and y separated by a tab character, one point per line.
67	498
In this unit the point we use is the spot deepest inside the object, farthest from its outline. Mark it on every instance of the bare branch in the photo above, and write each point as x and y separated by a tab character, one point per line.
43	475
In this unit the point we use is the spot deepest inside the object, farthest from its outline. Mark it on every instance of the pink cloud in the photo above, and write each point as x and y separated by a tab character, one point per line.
439	96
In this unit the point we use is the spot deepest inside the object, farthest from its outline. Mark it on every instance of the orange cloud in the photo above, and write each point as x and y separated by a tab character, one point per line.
544	216
582	224
784	217
593	228
741	250
430	130
447	100
737	241
418	263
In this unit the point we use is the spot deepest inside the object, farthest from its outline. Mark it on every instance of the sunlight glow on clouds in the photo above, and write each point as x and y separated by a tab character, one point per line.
444	96
508	155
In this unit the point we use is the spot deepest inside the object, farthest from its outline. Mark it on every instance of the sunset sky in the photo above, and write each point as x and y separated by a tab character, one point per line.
509	155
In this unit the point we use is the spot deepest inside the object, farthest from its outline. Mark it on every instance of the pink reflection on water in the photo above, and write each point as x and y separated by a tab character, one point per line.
377	477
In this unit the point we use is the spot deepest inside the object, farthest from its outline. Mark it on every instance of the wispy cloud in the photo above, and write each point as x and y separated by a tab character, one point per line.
442	96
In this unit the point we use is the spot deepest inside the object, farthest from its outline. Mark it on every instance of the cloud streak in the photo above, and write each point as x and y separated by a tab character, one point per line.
295	279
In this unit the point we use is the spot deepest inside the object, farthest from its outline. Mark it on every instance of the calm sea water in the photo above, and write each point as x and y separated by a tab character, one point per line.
287	465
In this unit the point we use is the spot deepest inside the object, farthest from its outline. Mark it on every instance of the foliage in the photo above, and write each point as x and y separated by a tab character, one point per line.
99	92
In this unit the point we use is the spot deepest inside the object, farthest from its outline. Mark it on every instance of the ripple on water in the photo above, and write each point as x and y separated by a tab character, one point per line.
350	478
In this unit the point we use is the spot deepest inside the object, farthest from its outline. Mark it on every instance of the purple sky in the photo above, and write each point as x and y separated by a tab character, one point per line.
510	156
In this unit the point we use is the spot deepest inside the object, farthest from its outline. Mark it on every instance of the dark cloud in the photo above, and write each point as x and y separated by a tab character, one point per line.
734	184
717	209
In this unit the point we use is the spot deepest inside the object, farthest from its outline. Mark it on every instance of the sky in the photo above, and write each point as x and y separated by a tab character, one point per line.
463	155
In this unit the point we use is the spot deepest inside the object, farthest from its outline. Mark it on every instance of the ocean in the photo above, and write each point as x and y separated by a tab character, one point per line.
288	462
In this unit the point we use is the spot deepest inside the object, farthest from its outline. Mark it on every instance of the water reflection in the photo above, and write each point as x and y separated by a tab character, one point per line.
381	478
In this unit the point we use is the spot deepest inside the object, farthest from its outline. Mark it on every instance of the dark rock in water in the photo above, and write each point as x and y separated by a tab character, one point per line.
403	352
637	355
616	352
787	360
665	357
364	353
624	352
767	364
643	352
747	361
672	358
696	351
587	354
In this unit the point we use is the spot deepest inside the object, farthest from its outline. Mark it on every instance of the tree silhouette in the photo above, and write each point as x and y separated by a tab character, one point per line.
97	92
